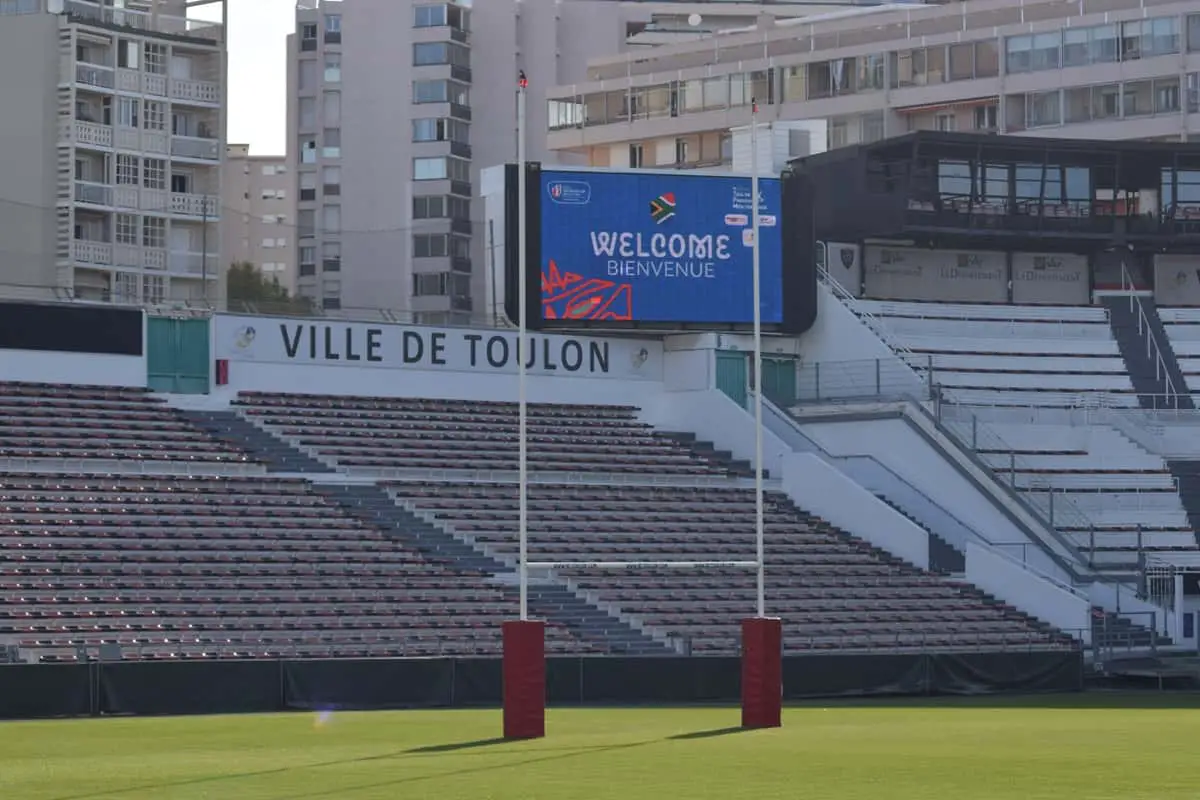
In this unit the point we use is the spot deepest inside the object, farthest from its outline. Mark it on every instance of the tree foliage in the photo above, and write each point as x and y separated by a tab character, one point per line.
247	288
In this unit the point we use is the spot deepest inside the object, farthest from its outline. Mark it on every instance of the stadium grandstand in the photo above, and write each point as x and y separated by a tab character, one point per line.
982	450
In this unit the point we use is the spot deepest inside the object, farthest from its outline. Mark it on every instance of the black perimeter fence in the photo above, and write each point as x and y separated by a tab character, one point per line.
221	687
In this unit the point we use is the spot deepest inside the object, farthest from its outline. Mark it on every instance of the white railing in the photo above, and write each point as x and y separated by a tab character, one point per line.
870	320
194	205
181	263
154	84
92	252
1153	349
195	147
100	77
96	194
205	92
89	133
126	255
144	20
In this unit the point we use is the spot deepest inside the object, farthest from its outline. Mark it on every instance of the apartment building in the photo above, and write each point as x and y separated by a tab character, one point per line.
396	105
257	226
112	165
1100	69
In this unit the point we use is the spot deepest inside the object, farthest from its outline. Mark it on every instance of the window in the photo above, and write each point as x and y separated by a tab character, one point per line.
637	156
945	122
441	129
306	75
426	53
154	232
129	112
429	207
1106	101
307	113
681	151
331	179
332	303
154	173
441	168
331	256
155	58
128	229
308	186
1043	108
1077	104
333	67
308	255
308	36
306	223
155	115
331	219
441	91
308	151
962	61
127	54
333	23
431	245
332	103
1046	51
1166	95
268	243
128	170
870	72
154	288
332	139
1017	54
430	16
1148	38
986	118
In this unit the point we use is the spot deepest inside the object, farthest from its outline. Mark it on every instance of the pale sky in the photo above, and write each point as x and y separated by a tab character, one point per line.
257	71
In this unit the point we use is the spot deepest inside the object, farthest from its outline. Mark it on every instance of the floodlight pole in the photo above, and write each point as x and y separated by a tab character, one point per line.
759	515
522	410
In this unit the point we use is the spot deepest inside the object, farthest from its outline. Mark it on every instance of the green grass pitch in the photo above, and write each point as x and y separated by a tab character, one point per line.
1071	747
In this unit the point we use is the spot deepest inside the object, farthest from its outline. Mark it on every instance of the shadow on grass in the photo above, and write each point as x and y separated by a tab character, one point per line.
694	735
454	747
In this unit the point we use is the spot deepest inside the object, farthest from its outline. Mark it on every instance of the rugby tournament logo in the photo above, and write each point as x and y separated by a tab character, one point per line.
662	208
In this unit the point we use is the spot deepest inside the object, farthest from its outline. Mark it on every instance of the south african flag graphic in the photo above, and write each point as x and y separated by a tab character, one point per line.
662	208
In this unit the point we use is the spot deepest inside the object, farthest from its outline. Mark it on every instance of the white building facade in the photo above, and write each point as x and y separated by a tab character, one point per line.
257	226
112	173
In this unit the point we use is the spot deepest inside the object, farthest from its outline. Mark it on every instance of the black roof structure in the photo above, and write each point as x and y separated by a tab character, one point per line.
985	190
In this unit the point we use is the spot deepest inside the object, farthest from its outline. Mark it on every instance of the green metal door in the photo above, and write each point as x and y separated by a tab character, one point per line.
779	380
177	354
732	375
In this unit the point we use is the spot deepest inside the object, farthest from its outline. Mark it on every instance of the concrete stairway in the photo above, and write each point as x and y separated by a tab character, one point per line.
707	451
278	455
1120	634
943	556
555	603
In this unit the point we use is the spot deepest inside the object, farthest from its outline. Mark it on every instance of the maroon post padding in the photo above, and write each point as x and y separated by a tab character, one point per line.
762	672
524	679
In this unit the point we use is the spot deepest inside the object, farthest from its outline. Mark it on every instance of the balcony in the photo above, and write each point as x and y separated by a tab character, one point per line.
134	257
95	77
200	206
86	12
84	251
202	92
145	141
196	148
90	134
94	194
193	264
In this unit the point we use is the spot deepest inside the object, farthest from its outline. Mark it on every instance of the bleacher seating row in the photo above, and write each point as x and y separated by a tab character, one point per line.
263	565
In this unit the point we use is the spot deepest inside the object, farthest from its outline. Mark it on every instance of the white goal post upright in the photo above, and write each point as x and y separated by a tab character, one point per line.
522	409
759	511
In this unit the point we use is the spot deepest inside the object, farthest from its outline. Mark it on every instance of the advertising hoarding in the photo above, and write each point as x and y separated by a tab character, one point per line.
1059	279
951	276
1177	279
657	247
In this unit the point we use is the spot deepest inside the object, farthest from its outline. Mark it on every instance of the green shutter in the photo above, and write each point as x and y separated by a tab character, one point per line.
732	375
779	380
177	355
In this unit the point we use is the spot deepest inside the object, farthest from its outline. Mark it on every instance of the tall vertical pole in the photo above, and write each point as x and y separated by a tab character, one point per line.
759	515
522	411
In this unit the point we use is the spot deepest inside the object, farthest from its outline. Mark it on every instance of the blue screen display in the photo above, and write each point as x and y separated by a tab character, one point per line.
655	247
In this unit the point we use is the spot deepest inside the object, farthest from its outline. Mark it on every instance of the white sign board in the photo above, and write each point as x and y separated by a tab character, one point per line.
909	273
362	345
1177	279
1059	279
843	262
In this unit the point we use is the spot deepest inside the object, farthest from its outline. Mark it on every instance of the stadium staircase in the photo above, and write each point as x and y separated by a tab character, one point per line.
278	455
1149	358
1110	631
376	507
1163	387
943	557
720	459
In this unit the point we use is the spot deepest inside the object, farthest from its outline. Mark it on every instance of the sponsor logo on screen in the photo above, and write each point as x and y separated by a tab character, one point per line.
571	193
